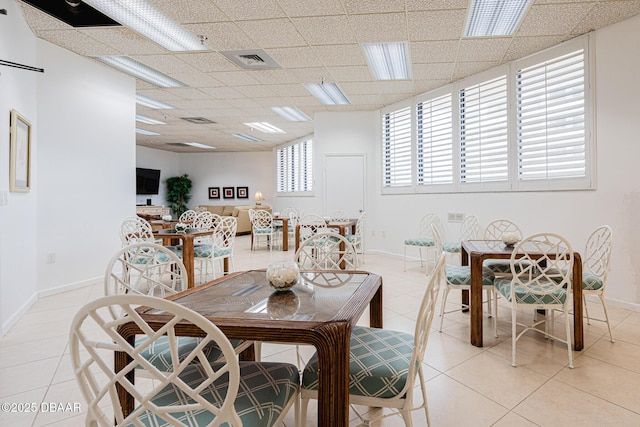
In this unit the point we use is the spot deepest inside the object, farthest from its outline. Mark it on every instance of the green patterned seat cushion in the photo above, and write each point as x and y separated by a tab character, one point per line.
499	266
461	275
419	241
591	282
159	354
523	296
265	389
452	248
161	256
378	363
204	251
353	238
262	230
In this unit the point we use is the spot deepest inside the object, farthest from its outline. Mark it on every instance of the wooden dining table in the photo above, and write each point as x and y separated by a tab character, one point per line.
474	252
320	310
187	237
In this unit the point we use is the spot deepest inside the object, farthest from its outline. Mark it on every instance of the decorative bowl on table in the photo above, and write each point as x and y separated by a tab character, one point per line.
181	227
166	218
283	275
510	239
283	304
327	219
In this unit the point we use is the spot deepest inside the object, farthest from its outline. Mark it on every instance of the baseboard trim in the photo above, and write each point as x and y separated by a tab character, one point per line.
17	315
69	287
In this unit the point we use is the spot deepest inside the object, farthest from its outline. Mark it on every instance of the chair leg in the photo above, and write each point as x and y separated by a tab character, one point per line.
568	337
513	336
606	316
304	404
495	314
586	309
442	306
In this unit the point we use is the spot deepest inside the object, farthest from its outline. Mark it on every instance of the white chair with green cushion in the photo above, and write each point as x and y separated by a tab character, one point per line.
322	251
262	226
494	231
134	229
150	269
190	394
459	277
468	230
357	239
384	364
220	247
188	216
541	267
338	216
424	240
595	269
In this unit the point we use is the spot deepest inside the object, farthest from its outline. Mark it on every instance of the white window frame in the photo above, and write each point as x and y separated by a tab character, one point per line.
588	182
410	103
290	163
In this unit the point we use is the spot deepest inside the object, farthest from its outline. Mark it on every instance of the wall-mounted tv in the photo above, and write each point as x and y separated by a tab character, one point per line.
147	181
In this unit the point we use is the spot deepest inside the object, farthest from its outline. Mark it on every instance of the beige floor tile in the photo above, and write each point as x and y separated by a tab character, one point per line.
22	409
627	331
17	354
496	379
514	420
620	353
608	382
557	404
444	352
63	400
28	376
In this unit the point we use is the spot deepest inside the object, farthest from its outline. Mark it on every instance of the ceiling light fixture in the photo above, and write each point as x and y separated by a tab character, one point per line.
143	18
327	93
491	18
146	132
265	127
291	113
388	61
148	120
246	137
139	70
152	103
198	145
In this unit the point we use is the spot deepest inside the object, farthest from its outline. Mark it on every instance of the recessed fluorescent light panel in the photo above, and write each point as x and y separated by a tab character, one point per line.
265	127
148	120
327	93
152	103
143	18
291	113
139	70
491	18
146	132
388	61
198	145
246	137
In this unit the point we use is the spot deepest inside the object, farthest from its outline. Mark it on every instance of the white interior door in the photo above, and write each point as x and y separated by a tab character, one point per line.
344	183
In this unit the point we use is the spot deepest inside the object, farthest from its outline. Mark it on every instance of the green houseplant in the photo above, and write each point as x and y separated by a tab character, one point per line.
178	189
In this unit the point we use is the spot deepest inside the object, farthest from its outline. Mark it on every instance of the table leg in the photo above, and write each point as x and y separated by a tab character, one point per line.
285	235
475	307
464	260
187	259
333	389
297	237
578	331
122	359
375	309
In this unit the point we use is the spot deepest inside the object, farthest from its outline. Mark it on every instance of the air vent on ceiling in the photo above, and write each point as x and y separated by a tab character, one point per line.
198	120
252	59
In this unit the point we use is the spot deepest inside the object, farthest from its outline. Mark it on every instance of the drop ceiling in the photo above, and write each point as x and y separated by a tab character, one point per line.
311	41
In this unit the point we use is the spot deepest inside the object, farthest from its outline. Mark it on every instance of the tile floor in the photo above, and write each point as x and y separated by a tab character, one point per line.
466	385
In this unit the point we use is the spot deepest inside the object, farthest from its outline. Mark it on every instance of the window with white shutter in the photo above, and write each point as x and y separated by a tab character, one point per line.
397	148
434	134
551	119
484	132
294	167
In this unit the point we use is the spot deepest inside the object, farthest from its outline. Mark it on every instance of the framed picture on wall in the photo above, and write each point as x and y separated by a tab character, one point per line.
214	192
20	153
228	192
242	192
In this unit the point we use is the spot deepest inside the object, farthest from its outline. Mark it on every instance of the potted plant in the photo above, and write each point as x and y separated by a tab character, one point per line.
178	189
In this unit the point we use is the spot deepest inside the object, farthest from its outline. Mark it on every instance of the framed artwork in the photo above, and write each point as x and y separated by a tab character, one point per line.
228	192
242	192
20	153
214	192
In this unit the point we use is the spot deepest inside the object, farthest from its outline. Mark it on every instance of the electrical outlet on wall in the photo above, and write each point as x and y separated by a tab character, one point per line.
455	217
51	258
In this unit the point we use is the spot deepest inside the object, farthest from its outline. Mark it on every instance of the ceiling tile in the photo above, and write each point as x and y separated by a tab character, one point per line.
77	42
165	63
198	11
483	49
373	6
126	41
524	46
344	54
322	30
606	13
236	78
385	87
434	51
258	91
39	20
222	35
272	33
422	86
413	5
250	9
223	92
466	69
271	77
311	7
294	89
207	62
295	57
438	71
351	73
367	27
437	25
540	21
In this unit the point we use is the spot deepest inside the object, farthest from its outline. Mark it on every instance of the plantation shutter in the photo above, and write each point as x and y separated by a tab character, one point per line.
551	119
396	130
483	132
434	141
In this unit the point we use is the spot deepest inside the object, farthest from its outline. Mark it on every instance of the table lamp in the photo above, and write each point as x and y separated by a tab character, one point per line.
258	197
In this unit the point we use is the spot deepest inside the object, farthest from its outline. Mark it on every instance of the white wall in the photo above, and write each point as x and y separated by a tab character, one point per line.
18	217
86	166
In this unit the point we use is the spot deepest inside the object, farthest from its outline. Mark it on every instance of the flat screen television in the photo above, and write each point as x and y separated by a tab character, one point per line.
147	181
